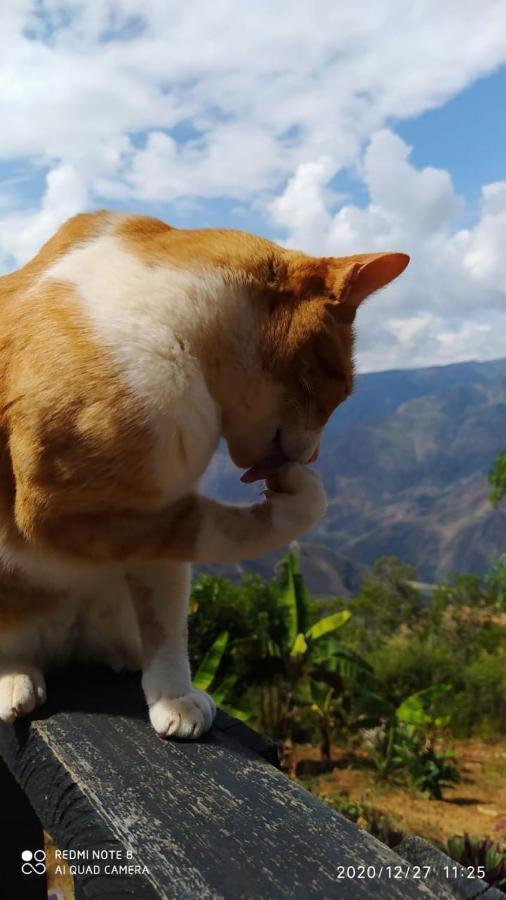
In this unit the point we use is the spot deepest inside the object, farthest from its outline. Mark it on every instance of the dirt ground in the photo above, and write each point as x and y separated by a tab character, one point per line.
475	805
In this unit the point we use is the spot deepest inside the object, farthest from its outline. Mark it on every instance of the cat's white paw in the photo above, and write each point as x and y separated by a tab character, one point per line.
184	717
20	693
297	497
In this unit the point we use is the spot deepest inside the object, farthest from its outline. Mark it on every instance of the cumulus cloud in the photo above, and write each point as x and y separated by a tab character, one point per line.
154	104
450	303
65	194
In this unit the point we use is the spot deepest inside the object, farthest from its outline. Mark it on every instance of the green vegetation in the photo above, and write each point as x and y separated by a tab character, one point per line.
497	479
406	742
390	677
486	858
275	657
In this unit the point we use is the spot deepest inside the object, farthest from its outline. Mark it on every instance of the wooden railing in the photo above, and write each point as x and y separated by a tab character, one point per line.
142	818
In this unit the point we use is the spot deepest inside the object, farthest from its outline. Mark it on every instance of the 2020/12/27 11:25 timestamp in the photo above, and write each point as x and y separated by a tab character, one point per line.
398	872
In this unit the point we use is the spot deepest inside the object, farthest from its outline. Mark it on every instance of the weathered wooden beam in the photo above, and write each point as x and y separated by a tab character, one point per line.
206	819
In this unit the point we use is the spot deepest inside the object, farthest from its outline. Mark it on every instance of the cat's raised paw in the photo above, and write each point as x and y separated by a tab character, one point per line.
20	693
297	498
183	717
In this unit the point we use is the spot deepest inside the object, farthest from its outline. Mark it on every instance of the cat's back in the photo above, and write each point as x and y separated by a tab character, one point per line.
77	230
27	301
95	376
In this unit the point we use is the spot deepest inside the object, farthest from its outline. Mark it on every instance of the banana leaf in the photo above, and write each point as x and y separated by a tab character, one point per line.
206	672
302	601
413	710
286	598
333	654
328	625
299	646
238	713
223	690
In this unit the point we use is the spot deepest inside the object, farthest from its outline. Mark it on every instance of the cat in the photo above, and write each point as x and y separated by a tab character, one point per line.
129	348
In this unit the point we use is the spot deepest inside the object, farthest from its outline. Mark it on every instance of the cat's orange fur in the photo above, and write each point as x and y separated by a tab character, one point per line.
100	451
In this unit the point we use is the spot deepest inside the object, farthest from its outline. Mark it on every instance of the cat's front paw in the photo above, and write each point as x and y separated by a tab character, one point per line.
20	692
297	498
183	717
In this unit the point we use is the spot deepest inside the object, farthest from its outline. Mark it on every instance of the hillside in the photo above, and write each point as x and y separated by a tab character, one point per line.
404	462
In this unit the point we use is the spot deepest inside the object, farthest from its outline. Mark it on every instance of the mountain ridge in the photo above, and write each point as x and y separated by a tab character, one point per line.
405	464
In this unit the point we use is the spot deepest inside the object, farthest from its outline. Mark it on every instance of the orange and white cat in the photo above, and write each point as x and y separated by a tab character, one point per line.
128	349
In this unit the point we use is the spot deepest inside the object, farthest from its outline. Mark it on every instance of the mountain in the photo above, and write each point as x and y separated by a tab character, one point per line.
327	572
404	462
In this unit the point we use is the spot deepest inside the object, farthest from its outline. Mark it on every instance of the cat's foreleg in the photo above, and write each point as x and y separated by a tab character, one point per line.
161	593
193	528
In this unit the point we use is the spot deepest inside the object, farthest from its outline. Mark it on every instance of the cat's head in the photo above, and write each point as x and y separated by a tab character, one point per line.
306	308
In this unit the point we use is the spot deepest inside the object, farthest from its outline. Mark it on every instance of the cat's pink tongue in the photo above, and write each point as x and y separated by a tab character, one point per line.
268	465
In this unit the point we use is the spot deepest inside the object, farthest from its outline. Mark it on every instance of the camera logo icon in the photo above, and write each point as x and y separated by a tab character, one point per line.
33	863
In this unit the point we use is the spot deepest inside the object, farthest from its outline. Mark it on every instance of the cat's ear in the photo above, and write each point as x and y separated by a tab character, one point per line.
368	272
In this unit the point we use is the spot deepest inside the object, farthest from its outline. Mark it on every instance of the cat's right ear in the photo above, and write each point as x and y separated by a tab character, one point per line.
368	272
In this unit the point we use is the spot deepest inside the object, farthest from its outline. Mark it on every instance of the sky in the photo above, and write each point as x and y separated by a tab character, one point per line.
335	128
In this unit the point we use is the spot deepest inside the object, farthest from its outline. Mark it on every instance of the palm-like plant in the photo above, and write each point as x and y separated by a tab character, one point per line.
287	657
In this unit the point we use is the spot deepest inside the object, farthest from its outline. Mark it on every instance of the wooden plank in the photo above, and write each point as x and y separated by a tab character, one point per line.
206	819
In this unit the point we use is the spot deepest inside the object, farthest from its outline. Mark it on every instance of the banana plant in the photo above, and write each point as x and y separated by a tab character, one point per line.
409	731
294	600
293	640
286	652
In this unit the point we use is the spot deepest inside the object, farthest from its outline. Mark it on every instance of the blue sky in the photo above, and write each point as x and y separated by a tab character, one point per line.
466	136
379	125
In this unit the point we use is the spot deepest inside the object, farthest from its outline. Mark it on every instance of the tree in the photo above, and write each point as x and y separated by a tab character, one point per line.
497	479
387	600
496	581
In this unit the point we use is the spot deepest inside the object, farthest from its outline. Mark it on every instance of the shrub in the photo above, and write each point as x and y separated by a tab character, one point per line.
475	670
480	703
408	663
430	770
485	856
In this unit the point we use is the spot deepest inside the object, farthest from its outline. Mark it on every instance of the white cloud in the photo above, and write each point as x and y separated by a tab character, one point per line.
483	247
66	193
449	305
163	102
245	76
